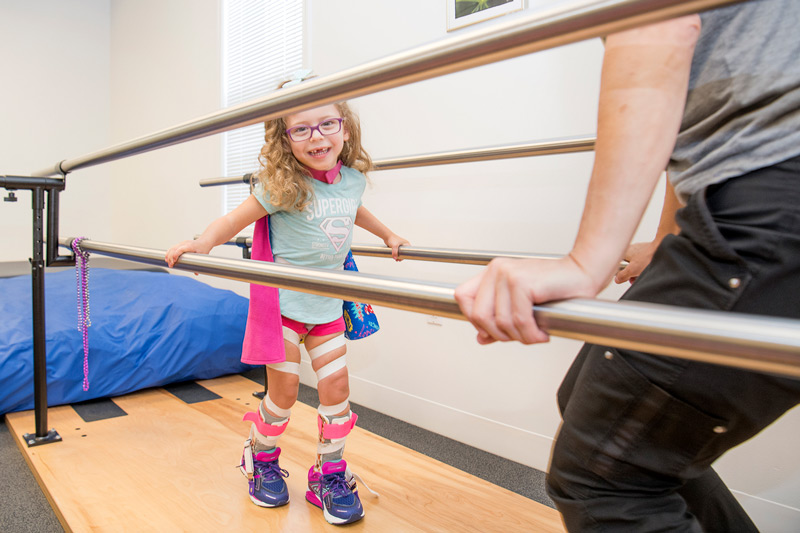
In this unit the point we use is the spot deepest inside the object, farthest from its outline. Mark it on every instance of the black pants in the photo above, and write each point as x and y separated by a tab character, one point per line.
639	431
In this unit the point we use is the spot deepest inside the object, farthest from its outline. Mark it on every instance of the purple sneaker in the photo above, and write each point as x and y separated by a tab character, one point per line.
331	491
265	477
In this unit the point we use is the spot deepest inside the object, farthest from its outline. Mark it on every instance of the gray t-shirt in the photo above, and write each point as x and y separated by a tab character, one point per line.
743	106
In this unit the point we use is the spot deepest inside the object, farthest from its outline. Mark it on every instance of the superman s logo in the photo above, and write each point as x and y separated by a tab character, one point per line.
337	229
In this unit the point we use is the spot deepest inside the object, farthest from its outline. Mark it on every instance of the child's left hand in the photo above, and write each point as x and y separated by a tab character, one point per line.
395	242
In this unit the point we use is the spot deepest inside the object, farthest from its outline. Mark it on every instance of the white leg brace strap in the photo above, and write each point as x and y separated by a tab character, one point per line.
279	411
287	367
325	347
332	410
291	336
334	366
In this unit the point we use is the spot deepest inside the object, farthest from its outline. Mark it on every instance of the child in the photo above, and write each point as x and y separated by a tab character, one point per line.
310	187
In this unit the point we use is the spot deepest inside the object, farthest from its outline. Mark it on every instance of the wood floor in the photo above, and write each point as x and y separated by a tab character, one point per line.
169	465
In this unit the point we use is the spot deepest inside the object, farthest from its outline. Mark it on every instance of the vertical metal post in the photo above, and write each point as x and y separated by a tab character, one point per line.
39	346
52	257
42	435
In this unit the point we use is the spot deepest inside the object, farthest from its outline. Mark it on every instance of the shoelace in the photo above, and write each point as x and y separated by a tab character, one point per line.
361	480
270	471
336	484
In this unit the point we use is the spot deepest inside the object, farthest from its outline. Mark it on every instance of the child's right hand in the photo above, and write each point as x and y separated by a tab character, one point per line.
195	246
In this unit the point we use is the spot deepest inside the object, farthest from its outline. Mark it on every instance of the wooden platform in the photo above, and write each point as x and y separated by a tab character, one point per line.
169	465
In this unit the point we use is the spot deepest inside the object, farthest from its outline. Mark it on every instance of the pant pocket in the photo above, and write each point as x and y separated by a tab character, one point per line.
621	424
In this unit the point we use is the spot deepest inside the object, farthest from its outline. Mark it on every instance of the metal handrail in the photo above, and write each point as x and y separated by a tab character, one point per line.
548	28
445	255
765	344
439	255
449	255
567	145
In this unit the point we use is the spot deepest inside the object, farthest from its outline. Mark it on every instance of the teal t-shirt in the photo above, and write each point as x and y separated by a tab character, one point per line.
319	236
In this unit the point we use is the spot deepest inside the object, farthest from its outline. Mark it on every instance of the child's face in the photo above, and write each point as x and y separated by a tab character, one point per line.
320	152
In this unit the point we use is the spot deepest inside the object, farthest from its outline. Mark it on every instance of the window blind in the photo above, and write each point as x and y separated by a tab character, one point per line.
262	45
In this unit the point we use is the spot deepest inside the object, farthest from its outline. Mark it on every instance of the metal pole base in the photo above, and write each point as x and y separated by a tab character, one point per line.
33	440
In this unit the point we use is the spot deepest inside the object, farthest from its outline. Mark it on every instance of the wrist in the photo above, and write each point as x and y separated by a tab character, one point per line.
598	269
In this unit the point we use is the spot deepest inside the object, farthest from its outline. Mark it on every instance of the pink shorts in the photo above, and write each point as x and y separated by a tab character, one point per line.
317	330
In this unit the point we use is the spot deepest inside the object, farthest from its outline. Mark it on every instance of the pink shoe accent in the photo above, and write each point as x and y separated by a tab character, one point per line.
336	431
265	429
334	467
267	457
314	478
311	497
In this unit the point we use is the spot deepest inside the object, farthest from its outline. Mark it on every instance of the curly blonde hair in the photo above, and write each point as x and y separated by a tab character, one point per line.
285	179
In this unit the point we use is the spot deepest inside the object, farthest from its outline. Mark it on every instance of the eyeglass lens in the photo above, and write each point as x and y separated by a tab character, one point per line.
326	127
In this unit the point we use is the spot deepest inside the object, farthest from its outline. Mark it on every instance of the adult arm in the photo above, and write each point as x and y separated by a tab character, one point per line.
642	95
639	254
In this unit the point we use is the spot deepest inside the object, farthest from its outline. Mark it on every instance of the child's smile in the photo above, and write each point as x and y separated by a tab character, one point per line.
320	152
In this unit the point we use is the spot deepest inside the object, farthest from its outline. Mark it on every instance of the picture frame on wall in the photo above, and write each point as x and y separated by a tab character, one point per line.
462	13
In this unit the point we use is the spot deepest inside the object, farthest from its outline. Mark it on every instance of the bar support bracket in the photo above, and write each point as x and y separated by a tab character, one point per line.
45	193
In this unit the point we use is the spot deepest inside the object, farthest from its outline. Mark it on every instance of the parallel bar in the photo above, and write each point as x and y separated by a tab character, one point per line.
443	255
466	257
549	147
215	182
439	255
549	28
400	294
469	155
766	344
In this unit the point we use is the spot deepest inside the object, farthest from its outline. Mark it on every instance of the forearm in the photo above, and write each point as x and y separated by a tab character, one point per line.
643	89
228	226
667	224
218	232
366	220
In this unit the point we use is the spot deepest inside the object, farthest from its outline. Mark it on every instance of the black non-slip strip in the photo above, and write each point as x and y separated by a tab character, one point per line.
191	392
256	374
99	409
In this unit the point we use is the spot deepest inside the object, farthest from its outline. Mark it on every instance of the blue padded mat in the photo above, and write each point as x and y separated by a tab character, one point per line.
148	329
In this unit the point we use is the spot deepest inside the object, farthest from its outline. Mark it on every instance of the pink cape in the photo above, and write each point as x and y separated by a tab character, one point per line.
263	335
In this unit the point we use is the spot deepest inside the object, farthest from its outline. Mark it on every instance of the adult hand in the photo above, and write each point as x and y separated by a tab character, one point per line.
638	256
499	301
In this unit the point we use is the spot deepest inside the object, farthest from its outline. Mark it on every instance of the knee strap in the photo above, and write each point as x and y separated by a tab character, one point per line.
336	431
333	366
327	346
268	405
262	427
333	410
287	367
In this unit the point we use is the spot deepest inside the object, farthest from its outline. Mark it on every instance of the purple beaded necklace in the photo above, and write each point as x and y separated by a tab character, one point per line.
82	275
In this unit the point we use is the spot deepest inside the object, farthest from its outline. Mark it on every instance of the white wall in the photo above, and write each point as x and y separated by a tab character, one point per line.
164	70
54	105
500	398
